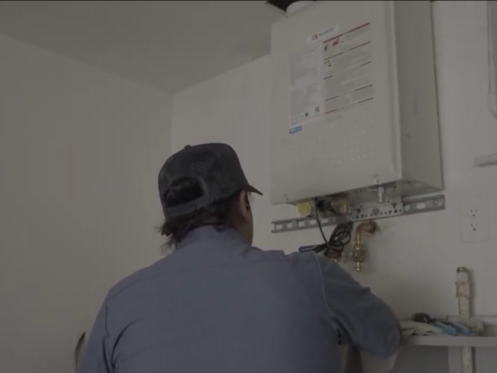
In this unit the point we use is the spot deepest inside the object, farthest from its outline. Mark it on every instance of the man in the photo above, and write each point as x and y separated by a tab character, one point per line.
217	304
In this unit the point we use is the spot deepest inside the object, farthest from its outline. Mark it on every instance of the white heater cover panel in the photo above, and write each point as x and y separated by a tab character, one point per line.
335	100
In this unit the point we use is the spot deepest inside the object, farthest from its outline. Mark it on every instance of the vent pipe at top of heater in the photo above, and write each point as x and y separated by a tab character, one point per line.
297	6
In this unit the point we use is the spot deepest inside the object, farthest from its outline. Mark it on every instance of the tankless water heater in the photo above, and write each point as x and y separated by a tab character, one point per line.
354	100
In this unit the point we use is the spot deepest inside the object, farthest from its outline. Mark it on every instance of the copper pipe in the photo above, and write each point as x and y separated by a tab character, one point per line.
359	251
368	226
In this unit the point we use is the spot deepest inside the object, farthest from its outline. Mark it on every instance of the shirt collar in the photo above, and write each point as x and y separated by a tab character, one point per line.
211	232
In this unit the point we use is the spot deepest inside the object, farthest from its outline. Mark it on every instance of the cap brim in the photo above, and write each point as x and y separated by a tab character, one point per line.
251	189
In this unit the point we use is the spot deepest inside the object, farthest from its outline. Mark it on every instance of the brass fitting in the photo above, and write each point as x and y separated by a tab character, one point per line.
344	208
335	256
359	250
358	256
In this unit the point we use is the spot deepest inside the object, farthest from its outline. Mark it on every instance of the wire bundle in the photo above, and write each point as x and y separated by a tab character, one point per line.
340	237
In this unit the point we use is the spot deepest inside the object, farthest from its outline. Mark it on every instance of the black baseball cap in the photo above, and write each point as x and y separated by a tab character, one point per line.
215	166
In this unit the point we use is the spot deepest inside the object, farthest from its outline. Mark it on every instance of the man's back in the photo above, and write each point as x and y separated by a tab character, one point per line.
219	305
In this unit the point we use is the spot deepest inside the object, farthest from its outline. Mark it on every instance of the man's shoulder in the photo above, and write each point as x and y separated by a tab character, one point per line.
140	275
168	265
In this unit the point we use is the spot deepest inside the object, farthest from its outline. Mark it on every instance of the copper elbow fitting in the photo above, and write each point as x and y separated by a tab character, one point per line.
368	226
359	251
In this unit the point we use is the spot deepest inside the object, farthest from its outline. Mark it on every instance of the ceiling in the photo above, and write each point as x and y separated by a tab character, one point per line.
169	45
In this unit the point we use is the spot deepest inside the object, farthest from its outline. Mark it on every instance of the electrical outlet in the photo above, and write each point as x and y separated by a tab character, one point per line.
475	219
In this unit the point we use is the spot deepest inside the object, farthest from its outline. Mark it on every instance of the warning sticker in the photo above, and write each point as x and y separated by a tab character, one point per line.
347	69
331	75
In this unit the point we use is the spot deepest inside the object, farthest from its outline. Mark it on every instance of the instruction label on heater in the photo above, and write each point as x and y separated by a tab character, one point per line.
347	70
306	87
331	75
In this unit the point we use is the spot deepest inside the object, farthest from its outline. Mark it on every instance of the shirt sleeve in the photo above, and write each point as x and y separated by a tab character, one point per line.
95	356
360	318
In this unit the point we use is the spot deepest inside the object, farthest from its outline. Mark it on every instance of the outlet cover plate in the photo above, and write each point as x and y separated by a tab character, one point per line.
475	219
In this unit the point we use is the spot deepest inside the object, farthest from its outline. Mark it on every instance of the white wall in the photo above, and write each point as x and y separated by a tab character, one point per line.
414	259
79	155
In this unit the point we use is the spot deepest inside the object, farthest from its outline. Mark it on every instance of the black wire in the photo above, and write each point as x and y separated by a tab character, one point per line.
340	237
322	233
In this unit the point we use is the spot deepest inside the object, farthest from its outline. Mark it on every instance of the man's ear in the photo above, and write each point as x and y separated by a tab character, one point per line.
246	200
244	203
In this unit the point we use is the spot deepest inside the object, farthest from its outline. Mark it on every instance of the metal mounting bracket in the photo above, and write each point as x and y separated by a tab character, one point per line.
405	206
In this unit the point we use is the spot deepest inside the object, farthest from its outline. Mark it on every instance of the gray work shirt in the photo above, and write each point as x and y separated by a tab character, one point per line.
219	305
